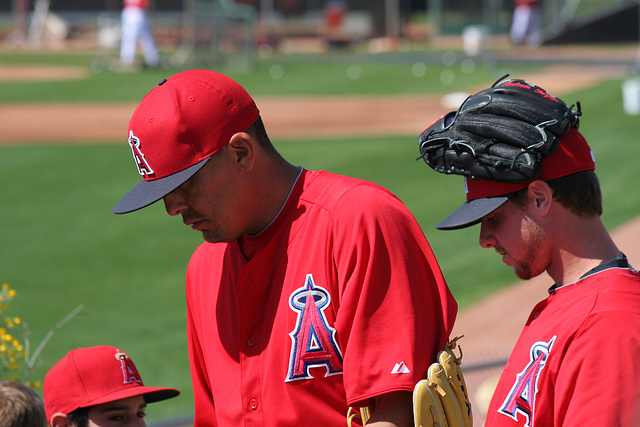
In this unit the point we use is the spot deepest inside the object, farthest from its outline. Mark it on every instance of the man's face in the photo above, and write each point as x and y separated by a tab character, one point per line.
120	413
518	238
212	202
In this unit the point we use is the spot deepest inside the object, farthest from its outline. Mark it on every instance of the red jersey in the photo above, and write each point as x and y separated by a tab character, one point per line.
576	361
339	300
136	3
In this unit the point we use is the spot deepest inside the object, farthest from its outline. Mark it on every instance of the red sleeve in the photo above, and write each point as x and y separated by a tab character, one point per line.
396	311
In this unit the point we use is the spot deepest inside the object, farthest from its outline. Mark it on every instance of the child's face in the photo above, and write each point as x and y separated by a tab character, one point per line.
120	413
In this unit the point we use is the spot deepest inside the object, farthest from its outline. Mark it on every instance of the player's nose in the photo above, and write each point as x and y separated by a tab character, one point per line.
486	239
174	203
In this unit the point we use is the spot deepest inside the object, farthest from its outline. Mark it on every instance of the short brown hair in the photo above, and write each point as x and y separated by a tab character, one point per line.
579	192
258	131
20	406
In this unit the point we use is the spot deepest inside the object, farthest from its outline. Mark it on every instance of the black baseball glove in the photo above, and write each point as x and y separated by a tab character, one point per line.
500	133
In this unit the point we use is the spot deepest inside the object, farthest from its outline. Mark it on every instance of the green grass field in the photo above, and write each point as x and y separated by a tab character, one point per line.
61	246
412	73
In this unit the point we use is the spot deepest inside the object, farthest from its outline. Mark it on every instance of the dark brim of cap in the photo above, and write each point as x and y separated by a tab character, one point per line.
472	212
146	193
150	394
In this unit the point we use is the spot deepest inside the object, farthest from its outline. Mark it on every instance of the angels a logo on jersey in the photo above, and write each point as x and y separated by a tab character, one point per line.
522	397
313	340
138	156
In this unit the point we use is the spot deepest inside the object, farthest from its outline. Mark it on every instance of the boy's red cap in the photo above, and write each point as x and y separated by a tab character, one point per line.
178	126
91	376
484	196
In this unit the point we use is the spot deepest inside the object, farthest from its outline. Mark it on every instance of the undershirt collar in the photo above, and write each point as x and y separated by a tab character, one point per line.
620	261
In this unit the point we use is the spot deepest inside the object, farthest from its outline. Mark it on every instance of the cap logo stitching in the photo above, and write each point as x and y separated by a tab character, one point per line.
138	156
129	372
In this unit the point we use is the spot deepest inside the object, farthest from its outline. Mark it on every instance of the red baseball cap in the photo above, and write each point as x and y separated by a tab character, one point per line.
178	126
484	195
91	376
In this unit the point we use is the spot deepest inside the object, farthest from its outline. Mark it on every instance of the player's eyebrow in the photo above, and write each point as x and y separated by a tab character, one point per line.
115	407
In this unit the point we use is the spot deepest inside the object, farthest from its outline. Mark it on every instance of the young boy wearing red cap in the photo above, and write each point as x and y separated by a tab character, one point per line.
575	362
312	292
98	387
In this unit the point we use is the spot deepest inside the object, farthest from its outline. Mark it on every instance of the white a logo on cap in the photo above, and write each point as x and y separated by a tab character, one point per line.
138	157
129	372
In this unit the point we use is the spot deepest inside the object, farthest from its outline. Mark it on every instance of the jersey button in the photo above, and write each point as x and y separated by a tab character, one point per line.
253	404
251	341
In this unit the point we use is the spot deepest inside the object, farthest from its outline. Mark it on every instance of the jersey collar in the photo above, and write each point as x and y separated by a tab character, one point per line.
620	261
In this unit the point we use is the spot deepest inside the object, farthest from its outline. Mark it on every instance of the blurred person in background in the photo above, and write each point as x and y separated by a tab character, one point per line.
527	23
136	27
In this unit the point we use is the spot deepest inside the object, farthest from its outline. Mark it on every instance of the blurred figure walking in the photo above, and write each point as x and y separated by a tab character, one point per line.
527	22
137	28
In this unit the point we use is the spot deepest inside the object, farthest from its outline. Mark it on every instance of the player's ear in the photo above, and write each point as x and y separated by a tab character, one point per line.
59	420
243	147
541	196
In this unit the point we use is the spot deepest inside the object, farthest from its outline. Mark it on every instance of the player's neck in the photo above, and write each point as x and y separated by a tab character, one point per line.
583	247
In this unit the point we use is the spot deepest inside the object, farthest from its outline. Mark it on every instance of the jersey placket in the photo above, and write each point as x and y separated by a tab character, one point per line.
250	332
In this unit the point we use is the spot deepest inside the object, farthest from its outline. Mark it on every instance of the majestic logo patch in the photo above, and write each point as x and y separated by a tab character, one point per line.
129	372
400	368
313	340
522	397
138	157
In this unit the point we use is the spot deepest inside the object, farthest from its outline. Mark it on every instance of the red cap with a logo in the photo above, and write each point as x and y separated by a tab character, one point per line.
484	196
91	376
178	126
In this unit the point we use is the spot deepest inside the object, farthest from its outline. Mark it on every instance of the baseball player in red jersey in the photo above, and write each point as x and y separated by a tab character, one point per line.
575	362
312	293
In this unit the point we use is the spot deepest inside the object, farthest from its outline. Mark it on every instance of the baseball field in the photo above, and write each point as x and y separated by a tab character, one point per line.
64	163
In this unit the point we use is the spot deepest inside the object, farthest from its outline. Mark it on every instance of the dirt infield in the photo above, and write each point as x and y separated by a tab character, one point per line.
30	74
289	117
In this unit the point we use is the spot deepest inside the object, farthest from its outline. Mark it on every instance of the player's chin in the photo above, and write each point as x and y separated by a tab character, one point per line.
524	272
215	236
210	236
